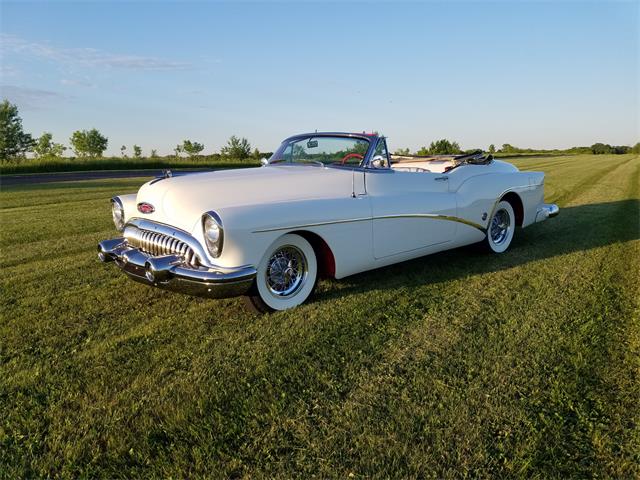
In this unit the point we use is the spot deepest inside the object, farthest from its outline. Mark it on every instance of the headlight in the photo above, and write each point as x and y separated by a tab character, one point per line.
213	233
117	212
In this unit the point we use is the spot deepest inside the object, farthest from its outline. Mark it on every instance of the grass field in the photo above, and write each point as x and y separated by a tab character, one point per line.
459	364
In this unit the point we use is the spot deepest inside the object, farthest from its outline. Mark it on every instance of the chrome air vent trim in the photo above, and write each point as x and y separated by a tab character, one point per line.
161	239
159	244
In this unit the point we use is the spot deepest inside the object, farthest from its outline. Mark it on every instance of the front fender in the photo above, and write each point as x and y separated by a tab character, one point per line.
343	223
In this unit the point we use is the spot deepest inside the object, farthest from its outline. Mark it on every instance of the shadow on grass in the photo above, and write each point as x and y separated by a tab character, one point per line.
576	229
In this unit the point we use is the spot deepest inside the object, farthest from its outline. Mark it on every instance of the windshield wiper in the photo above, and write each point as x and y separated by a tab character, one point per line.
308	160
298	160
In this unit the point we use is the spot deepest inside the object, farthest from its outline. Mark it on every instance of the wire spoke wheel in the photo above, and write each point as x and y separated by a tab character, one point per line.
286	271
500	229
500	226
286	277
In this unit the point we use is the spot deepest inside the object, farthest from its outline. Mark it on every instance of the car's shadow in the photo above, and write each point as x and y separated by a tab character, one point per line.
577	228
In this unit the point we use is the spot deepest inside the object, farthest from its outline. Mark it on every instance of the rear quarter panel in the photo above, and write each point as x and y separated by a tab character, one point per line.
477	195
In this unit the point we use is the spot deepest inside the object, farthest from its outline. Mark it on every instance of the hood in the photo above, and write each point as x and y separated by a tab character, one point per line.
180	201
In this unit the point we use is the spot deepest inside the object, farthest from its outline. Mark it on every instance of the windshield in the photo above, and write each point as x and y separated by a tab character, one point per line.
323	150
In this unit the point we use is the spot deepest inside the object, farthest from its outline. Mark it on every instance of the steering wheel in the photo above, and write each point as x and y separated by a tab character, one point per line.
350	155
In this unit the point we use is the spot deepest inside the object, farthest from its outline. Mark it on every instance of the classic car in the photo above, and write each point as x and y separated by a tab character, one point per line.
323	205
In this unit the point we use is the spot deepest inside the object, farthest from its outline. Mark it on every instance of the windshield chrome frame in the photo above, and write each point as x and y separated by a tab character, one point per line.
372	140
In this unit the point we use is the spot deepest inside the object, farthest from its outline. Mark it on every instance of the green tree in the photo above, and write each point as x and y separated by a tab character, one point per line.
14	143
178	150
507	148
192	148
123	150
402	151
236	148
88	143
492	148
636	148
601	148
137	151
443	147
46	147
620	149
154	153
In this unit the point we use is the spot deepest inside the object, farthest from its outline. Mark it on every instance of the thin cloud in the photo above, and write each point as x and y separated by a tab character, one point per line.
8	71
86	56
30	98
74	82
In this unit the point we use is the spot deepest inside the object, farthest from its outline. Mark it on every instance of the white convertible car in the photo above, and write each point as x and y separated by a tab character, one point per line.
324	204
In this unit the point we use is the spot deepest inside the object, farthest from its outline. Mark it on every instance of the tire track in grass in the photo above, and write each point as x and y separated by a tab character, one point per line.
578	188
37	251
559	179
551	164
67	205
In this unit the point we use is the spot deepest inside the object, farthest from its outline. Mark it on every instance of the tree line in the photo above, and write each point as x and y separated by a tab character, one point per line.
447	147
15	144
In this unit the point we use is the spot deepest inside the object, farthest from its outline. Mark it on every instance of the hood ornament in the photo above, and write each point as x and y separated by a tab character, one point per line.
166	173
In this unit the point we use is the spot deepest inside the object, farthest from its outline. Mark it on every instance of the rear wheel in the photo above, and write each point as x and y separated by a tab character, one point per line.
286	275
501	228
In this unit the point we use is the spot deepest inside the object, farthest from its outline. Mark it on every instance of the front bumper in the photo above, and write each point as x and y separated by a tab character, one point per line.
169	272
547	210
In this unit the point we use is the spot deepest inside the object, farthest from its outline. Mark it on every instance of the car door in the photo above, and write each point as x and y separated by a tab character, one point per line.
410	210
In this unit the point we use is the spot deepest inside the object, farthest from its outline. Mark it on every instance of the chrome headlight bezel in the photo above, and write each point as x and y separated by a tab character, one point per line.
211	222
117	213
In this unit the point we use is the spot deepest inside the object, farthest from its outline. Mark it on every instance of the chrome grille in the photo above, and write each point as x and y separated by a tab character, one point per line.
155	243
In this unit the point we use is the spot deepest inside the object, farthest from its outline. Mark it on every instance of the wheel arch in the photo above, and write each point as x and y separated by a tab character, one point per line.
516	203
324	255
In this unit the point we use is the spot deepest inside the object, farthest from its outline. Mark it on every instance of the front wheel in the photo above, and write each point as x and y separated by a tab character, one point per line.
501	228
286	275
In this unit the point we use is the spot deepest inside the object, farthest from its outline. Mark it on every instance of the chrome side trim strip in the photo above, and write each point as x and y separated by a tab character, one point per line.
317	224
435	217
381	217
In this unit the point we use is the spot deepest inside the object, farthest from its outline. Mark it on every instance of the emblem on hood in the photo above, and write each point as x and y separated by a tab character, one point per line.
144	207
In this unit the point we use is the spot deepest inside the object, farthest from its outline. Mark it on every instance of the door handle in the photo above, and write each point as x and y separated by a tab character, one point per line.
441	179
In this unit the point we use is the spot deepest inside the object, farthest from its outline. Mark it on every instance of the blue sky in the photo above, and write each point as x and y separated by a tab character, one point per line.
539	74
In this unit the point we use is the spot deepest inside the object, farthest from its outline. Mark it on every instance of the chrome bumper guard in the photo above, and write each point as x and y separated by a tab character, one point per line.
170	272
547	210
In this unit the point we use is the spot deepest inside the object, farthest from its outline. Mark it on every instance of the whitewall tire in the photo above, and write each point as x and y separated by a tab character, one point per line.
501	228
286	275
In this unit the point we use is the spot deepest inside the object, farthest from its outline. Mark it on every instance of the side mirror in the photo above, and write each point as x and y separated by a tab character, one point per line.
264	162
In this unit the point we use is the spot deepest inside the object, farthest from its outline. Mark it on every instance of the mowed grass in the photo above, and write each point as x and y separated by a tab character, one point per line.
459	364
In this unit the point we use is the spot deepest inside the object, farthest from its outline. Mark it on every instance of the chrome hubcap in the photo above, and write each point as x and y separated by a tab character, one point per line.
500	226
286	271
